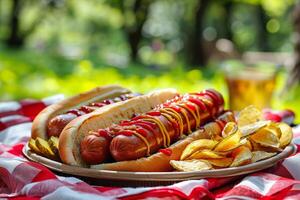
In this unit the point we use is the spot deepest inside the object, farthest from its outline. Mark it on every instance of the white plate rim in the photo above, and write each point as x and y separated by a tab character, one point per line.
157	176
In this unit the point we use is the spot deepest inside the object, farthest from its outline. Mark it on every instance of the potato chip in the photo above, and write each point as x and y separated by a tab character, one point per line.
271	149
203	154
275	129
234	146
229	143
216	138
191	165
243	141
44	147
229	129
258	147
197	145
212	134
221	162
255	146
260	155
53	143
250	129
33	146
265	137
286	134
249	115
242	156
248	144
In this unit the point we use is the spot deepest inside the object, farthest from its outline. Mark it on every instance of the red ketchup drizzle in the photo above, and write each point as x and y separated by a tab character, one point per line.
104	133
150	124
190	106
213	96
175	125
166	104
86	109
125	132
108	101
198	102
216	100
97	104
145	126
142	131
126	123
219	99
138	117
211	108
154	113
75	112
166	151
176	108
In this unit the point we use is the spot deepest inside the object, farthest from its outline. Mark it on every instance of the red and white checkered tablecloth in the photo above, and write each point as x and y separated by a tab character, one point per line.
20	178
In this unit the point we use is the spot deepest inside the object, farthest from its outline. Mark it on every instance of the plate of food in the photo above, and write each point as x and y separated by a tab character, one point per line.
111	133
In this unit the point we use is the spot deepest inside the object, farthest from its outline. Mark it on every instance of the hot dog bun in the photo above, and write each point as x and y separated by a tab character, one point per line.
159	162
39	126
77	129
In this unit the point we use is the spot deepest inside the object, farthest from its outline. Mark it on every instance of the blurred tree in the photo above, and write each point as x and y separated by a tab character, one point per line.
194	44
228	5
135	14
263	34
14	38
17	36
295	72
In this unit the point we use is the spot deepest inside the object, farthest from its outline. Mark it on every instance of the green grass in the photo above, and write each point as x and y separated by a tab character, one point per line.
28	74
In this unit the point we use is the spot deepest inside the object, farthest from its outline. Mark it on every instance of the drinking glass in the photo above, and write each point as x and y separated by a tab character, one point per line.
250	85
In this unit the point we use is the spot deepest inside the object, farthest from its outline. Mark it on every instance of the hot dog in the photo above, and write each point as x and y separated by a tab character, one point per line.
159	162
95	138
145	134
54	118
72	135
58	123
167	129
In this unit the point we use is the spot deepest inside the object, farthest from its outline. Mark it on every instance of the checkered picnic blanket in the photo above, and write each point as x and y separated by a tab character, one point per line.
20	178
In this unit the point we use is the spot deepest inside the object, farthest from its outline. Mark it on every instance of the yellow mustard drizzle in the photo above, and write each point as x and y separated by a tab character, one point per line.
187	122
197	120
144	140
197	113
172	115
208	102
157	140
177	116
162	128
169	118
196	106
205	101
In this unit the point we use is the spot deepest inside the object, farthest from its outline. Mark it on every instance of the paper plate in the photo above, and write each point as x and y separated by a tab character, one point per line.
157	176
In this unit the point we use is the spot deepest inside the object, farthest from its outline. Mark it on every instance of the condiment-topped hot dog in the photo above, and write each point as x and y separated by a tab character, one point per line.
58	123
52	120
124	135
160	161
147	133
77	129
